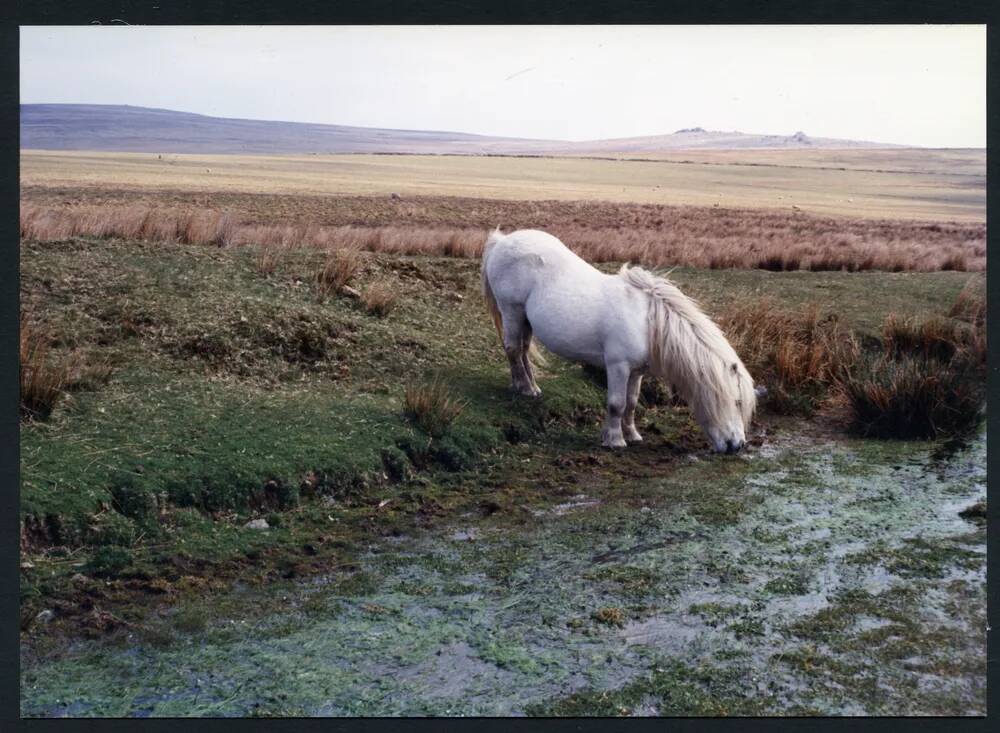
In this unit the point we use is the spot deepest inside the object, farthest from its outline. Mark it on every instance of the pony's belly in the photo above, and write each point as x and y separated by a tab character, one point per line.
562	331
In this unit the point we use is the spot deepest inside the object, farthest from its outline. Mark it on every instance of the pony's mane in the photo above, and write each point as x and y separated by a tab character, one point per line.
688	350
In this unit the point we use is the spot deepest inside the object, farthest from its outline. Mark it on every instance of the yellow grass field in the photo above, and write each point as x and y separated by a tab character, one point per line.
915	185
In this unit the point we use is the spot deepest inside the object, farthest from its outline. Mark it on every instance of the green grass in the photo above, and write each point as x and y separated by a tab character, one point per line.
235	394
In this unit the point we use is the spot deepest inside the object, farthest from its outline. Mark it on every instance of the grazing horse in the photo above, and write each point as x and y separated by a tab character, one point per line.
630	323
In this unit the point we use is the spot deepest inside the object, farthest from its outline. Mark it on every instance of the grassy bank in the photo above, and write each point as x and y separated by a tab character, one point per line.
224	388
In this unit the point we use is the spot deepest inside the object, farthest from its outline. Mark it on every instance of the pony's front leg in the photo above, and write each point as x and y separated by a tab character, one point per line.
618	377
631	400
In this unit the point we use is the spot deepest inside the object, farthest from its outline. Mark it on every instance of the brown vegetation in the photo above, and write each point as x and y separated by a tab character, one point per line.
970	305
600	232
46	378
911	396
267	259
925	378
336	271
431	407
379	299
795	353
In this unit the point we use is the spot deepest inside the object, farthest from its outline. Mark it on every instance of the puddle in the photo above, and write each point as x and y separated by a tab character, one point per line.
805	577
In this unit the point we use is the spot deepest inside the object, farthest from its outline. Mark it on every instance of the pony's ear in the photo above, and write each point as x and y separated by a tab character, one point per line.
760	390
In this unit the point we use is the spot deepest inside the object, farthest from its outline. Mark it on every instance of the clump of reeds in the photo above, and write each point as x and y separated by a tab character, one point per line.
431	407
45	379
934	337
795	353
912	396
970	305
929	380
267	259
379	299
336	271
598	231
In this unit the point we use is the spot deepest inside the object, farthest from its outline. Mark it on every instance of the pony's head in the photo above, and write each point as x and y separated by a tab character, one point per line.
687	350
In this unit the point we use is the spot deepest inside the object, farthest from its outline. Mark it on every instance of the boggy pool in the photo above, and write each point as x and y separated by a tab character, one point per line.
810	577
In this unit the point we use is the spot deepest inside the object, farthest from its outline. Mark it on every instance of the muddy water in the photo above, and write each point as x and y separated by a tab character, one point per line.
830	578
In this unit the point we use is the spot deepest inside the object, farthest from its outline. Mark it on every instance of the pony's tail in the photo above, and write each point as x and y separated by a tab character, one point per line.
491	302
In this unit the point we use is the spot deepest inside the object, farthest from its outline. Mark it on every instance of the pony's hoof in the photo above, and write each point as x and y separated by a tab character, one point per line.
529	392
616	441
633	437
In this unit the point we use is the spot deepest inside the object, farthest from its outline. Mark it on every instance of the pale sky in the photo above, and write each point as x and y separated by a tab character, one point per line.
916	85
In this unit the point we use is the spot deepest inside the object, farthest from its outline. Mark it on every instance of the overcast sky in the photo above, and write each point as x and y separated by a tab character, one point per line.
917	85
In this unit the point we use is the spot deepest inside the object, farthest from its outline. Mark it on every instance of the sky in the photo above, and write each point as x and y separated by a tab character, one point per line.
922	85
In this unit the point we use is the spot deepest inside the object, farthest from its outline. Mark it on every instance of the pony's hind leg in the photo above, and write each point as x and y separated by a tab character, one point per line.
526	358
514	344
631	400
618	378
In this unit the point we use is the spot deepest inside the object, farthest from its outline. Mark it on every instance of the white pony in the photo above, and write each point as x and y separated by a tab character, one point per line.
628	323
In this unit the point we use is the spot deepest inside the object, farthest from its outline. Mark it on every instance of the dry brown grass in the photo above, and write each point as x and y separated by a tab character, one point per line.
925	379
912	396
935	337
336	271
797	354
431	407
379	299
923	189
45	378
970	305
42	378
267	260
657	236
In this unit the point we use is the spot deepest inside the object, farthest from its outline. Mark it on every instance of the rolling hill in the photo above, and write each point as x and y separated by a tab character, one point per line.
122	128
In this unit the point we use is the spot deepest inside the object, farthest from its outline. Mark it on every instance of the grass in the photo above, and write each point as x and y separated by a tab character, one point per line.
929	381
795	352
930	187
914	397
925	378
235	395
432	407
337	271
45	378
652	235
379	299
970	305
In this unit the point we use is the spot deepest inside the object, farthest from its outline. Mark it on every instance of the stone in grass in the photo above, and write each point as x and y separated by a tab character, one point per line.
257	524
976	511
45	616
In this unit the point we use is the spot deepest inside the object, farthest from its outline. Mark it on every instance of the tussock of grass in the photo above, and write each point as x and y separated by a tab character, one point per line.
340	266
431	407
46	378
42	379
267	260
379	299
795	353
936	337
902	394
970	305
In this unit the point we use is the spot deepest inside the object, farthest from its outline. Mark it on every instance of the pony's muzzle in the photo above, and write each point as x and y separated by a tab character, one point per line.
733	446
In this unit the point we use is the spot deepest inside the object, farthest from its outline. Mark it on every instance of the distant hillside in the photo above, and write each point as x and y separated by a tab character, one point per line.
120	128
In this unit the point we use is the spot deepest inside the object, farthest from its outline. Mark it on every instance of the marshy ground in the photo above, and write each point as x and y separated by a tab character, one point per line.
506	566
